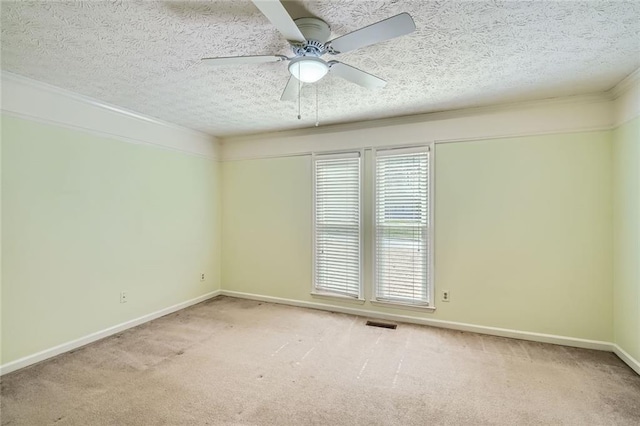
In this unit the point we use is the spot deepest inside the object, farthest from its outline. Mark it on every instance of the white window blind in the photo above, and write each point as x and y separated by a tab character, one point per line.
337	250
402	226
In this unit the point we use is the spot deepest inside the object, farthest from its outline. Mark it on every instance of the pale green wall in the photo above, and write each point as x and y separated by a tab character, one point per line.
1	242
86	217
266	227
626	190
523	233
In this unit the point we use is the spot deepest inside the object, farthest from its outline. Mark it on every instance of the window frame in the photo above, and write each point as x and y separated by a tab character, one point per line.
430	305
315	292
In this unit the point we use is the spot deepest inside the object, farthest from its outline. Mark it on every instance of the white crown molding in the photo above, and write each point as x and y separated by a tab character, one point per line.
90	338
625	84
26	98
30	99
626	95
599	111
558	115
419	118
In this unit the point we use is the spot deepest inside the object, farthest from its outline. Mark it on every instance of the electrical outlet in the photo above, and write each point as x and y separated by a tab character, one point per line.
123	297
446	296
202	276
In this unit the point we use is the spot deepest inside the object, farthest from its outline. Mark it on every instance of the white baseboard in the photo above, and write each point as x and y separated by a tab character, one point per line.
628	359
494	331
74	344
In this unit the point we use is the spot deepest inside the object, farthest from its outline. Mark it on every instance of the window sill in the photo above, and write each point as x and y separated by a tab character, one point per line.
337	297
400	305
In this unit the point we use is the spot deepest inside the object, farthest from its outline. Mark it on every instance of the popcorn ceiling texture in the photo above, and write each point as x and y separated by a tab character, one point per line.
145	56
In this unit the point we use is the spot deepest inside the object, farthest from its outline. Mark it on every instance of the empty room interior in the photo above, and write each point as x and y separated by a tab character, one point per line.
320	212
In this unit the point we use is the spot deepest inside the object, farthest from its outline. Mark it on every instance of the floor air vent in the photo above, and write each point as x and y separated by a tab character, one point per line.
381	324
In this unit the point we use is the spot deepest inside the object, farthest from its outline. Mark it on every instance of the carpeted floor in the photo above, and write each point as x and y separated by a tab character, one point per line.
232	361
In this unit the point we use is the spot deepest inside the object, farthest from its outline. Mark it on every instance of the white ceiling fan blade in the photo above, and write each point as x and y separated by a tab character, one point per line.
279	17
243	60
356	76
291	90
389	28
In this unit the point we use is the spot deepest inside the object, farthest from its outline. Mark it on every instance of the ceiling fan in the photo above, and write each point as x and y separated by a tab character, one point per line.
309	39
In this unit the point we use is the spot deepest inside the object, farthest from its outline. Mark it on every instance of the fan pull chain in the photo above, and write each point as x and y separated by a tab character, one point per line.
317	120
299	94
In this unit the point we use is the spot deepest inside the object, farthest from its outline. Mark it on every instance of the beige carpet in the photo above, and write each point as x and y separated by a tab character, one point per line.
231	361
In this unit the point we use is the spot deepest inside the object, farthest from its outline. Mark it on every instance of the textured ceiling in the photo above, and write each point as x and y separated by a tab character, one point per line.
145	56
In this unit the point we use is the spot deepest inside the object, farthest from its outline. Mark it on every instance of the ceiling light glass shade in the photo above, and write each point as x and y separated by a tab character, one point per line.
308	69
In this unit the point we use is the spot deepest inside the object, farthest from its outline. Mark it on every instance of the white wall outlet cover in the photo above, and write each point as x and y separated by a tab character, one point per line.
446	295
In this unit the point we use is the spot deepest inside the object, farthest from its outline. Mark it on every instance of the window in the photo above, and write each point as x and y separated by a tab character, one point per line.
402	226
337	224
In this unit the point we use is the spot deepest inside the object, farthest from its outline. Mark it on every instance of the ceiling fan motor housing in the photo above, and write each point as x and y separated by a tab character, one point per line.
309	48
316	32
313	29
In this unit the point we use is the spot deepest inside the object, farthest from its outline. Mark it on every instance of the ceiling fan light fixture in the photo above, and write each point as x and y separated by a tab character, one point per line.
308	69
